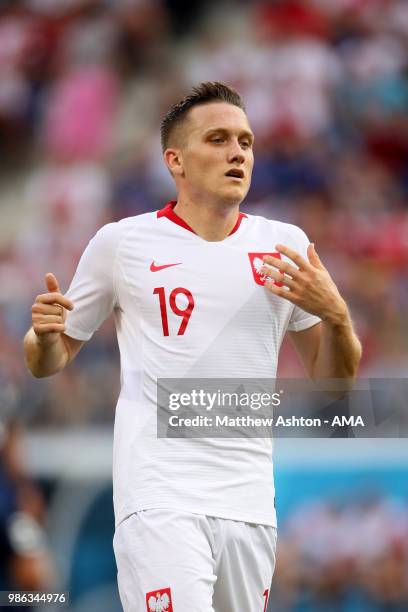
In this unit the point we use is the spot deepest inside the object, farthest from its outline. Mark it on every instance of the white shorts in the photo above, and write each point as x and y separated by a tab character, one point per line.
171	561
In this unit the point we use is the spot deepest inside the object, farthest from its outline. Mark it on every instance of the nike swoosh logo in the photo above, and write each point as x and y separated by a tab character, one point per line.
154	268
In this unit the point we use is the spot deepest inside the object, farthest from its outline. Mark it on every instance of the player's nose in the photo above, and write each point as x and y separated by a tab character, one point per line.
235	153
237	157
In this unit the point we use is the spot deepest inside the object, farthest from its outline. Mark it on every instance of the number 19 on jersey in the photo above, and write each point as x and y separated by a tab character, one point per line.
185	313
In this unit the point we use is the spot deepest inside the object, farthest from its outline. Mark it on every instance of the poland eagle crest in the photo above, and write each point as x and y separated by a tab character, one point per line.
256	261
159	601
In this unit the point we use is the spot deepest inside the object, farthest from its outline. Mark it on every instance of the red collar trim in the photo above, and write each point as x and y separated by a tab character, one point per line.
168	212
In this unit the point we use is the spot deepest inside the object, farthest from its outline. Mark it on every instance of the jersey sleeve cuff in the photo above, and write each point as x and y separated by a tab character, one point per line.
77	334
304	324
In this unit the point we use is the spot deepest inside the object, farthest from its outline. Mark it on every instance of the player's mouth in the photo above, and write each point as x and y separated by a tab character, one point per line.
235	173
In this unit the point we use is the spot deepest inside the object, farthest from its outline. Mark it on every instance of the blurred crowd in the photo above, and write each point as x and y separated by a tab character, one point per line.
347	554
83	87
25	561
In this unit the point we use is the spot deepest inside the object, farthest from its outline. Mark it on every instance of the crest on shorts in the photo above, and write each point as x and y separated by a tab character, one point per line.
159	601
256	261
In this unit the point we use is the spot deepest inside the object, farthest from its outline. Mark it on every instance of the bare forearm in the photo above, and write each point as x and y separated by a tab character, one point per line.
339	350
44	359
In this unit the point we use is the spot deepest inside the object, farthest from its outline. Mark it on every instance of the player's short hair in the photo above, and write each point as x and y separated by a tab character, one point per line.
201	94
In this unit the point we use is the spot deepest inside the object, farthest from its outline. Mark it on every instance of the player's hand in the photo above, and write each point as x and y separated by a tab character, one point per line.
306	283
49	312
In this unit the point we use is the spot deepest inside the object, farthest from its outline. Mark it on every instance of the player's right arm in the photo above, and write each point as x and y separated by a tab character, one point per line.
47	348
57	333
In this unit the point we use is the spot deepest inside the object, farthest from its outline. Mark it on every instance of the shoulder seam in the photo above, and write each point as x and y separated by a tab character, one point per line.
127	230
114	268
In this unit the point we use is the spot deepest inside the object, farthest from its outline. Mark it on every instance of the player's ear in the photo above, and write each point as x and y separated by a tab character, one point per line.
174	161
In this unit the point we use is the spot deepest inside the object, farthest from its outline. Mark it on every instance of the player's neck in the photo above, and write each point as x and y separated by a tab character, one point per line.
213	223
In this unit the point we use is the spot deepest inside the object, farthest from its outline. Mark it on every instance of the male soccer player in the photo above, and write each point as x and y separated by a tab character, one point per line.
191	296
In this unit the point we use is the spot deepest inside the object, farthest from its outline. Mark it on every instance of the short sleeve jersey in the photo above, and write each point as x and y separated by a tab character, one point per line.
186	308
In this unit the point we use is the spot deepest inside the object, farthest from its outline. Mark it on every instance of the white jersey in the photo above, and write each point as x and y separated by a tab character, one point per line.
186	308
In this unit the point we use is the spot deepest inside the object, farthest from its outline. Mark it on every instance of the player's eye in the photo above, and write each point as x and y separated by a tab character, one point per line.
245	144
217	139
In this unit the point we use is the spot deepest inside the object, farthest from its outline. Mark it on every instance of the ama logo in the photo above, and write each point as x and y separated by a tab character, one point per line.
256	261
159	601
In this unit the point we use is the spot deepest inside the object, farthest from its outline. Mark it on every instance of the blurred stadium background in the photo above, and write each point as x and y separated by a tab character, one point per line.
83	85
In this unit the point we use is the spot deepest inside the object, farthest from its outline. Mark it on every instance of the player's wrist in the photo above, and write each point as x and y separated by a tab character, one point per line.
46	340
338	317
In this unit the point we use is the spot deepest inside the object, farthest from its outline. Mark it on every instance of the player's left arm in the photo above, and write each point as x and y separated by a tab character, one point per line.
329	349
